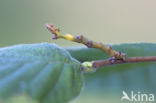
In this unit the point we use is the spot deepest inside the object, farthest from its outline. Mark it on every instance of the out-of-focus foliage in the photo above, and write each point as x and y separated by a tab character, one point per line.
41	73
107	83
46	73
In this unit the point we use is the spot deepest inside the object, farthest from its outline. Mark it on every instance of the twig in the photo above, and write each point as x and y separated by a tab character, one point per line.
100	63
91	66
116	57
83	40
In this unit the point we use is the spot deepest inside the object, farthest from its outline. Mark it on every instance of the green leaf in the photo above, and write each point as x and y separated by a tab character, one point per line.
107	83
43	72
133	49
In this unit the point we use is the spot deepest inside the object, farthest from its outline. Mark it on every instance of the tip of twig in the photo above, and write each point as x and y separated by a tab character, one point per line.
53	30
49	26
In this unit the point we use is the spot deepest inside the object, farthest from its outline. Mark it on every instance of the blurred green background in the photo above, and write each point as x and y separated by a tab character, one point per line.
107	21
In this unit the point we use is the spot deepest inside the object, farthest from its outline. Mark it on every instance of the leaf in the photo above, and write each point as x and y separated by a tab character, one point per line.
107	83
44	72
133	49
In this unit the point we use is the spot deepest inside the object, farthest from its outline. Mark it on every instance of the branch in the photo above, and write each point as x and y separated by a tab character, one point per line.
116	57
89	43
100	63
92	66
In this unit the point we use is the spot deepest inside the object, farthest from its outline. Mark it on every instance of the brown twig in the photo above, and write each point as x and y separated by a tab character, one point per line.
89	43
116	57
100	63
